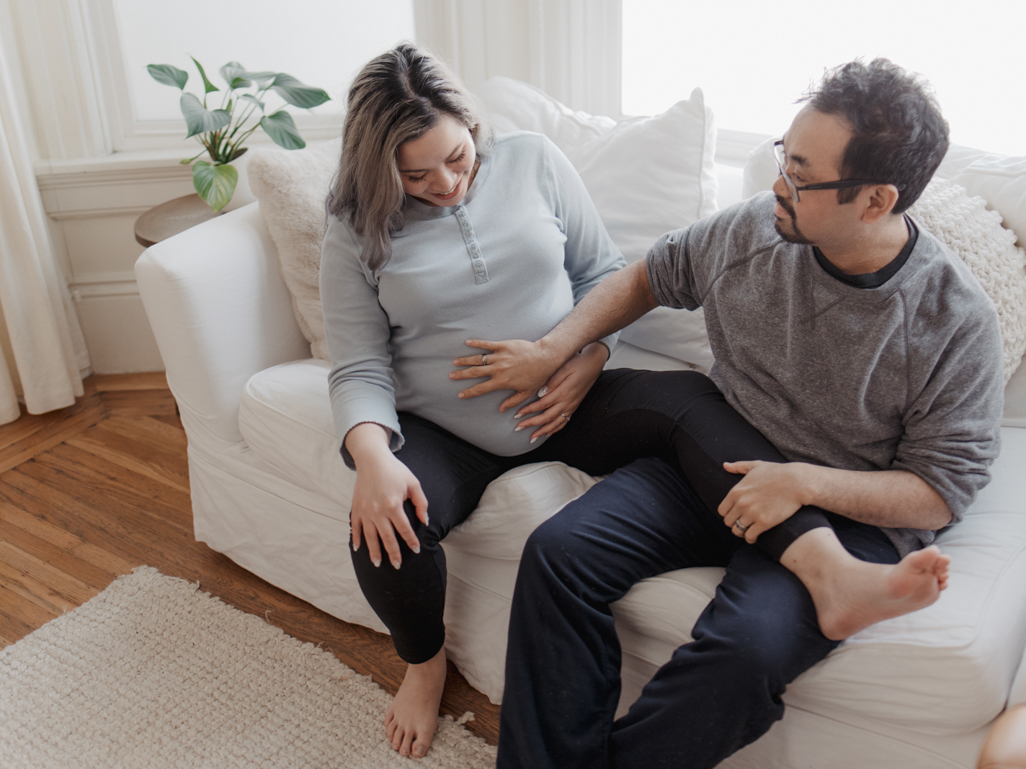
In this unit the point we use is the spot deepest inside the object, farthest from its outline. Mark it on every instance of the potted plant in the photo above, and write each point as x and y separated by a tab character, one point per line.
223	130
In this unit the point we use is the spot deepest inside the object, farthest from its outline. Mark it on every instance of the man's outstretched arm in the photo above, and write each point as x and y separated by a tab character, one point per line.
524	366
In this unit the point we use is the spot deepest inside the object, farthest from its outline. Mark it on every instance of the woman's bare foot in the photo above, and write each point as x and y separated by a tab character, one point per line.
412	718
851	595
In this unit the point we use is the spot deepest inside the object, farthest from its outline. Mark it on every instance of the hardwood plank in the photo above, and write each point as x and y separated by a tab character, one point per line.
32	435
156	430
56	557
17	616
11	515
142	457
139	403
31	589
76	591
87	551
112	563
95	479
124	529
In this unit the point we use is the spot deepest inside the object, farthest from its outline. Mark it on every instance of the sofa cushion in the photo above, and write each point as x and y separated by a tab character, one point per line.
291	188
646	175
285	419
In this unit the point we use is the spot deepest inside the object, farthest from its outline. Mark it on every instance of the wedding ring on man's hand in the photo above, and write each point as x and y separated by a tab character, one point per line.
740	527
564	416
484	359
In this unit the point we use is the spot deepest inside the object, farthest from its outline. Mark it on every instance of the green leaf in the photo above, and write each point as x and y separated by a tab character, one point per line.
234	75
282	130
261	76
215	184
298	94
168	75
251	98
210	87
199	119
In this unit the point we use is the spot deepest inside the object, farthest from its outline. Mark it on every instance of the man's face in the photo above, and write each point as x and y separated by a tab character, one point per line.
814	145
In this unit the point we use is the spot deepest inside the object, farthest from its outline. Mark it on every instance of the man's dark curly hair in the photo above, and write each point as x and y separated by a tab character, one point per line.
898	133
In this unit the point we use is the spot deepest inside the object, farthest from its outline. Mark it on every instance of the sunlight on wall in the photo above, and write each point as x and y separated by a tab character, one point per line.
752	59
322	44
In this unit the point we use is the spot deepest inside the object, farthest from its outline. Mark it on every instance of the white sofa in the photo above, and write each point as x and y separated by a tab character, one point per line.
269	488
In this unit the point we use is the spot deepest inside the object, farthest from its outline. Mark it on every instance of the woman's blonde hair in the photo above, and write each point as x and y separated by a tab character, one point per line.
397	96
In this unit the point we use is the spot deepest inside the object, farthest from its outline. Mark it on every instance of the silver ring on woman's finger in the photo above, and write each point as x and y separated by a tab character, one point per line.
740	527
484	359
567	418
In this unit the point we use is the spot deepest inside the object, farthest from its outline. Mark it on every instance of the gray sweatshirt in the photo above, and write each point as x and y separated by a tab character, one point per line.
524	246
906	376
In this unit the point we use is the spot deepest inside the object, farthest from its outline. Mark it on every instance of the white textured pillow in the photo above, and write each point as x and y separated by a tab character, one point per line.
646	175
292	187
988	249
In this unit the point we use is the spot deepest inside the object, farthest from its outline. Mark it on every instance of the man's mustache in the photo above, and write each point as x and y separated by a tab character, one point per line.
786	205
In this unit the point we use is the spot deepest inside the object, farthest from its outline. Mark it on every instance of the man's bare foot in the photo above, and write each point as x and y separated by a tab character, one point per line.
850	594
412	718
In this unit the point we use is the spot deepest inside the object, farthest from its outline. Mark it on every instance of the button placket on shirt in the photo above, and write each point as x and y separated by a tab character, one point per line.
477	261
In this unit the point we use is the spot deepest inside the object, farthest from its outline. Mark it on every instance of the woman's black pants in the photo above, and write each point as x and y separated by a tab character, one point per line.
679	416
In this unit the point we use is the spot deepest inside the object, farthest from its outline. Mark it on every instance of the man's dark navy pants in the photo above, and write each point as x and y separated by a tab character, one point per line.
715	695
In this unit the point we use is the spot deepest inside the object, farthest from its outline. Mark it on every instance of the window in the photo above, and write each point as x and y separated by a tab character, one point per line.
321	43
753	59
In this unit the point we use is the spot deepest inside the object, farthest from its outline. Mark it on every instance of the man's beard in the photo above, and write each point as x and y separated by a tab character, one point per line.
796	235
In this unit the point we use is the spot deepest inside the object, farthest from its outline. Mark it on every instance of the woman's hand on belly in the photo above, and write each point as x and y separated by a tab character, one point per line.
563	392
383	484
514	364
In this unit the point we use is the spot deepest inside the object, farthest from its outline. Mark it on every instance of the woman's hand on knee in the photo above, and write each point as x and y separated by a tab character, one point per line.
383	484
769	494
563	392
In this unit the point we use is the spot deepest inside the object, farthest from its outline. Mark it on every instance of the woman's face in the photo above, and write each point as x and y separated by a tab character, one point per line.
437	166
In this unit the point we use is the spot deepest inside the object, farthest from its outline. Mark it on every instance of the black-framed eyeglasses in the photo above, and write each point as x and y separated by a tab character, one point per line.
780	155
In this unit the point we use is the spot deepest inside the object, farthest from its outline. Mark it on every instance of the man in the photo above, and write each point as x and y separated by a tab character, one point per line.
857	344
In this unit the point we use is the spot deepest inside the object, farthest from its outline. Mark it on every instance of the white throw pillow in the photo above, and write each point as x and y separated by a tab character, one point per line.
646	175
760	169
975	234
1001	181
292	187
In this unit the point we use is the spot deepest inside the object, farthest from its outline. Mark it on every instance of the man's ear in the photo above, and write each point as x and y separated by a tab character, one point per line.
881	201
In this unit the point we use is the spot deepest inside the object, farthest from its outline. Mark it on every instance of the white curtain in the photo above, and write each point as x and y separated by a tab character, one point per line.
45	338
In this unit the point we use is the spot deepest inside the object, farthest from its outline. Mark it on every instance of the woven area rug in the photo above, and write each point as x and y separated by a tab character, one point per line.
153	672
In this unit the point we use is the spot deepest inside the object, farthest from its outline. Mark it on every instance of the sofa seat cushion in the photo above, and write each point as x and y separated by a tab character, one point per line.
285	418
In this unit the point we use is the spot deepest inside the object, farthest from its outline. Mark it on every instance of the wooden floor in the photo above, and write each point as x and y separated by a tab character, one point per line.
90	492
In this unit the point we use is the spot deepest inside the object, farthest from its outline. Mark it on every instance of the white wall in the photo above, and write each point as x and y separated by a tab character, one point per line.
93	195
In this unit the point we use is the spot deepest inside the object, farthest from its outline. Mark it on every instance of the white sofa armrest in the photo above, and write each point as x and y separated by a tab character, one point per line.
220	312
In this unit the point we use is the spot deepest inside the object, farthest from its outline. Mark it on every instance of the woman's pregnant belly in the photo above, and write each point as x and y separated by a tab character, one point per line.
422	365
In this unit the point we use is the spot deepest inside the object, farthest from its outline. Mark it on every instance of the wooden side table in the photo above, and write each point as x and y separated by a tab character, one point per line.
170	218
